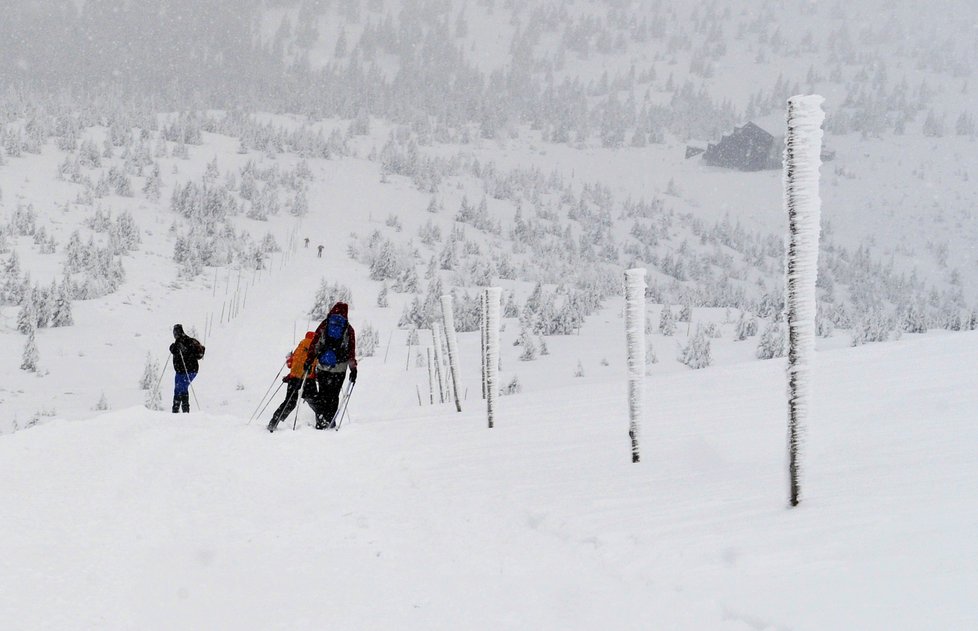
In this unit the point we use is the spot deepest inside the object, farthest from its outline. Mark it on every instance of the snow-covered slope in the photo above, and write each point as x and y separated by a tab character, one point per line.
420	518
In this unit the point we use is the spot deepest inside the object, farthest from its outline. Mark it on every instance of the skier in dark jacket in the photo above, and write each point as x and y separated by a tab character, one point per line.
334	347
296	362
186	352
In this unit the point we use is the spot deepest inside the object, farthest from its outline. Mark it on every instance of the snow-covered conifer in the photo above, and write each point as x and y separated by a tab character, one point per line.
650	357
61	311
367	340
914	319
513	387
511	310
696	354
667	321
43	302
773	342
685	313
30	356
529	346
154	398
872	326
27	316
150	373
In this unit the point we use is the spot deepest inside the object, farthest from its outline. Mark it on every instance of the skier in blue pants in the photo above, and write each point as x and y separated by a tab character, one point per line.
186	352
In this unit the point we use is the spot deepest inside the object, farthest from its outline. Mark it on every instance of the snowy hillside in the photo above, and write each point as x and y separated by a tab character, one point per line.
238	166
440	147
420	518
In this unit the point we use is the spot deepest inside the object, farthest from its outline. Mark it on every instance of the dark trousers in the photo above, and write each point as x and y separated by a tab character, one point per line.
328	399
292	386
181	391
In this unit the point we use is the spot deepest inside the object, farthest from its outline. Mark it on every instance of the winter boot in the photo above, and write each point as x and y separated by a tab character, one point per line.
273	424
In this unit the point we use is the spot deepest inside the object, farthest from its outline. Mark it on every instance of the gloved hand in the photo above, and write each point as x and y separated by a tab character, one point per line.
353	375
286	378
308	366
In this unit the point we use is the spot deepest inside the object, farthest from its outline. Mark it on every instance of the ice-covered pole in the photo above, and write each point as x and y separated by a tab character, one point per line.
802	159
436	348
448	316
431	379
482	338
635	342
493	296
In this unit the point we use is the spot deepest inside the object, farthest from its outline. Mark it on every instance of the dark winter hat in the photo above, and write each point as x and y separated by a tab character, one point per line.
177	330
341	308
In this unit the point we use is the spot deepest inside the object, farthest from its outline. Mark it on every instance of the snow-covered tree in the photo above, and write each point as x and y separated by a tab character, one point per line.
667	321
773	342
746	326
513	387
27	316
579	370
150	373
61	311
367	340
30	356
697	354
529	347
872	326
326	296
154	398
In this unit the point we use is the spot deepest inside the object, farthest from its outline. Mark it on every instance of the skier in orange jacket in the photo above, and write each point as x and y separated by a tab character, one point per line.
296	362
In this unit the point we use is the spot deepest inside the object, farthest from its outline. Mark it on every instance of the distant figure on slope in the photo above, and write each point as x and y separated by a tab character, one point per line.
320	251
186	352
293	381
307	242
334	347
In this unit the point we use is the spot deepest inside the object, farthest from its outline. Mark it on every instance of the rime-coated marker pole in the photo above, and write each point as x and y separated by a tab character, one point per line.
635	344
493	296
436	348
448	316
482	338
431	379
802	159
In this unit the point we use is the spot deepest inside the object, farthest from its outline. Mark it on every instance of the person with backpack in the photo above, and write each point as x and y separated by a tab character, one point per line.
296	362
186	353
334	347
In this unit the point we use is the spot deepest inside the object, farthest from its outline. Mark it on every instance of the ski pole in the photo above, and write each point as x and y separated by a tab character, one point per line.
255	413
297	395
189	382
346	402
270	399
159	382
